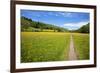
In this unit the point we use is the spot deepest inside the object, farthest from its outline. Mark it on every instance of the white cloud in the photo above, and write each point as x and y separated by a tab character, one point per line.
66	14
74	25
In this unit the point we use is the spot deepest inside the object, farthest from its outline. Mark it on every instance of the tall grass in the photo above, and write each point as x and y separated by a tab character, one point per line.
44	46
81	42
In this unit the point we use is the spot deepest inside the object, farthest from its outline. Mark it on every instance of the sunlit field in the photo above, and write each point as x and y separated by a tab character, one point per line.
44	46
81	42
52	46
54	35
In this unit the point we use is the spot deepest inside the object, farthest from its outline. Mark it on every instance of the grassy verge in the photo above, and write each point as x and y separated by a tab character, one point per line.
44	46
81	42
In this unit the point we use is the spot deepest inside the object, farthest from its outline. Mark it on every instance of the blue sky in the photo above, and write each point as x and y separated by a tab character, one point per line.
69	20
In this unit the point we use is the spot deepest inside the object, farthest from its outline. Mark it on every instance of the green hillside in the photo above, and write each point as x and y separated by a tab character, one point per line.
34	26
84	29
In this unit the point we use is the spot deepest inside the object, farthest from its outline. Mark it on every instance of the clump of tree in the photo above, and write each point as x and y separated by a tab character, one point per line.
36	26
84	28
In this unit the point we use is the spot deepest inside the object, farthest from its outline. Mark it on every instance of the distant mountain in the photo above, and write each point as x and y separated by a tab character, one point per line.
30	25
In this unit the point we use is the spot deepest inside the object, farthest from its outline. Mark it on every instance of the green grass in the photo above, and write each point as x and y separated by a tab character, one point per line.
48	30
44	46
81	42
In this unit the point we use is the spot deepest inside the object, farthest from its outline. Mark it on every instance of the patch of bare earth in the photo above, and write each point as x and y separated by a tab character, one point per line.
72	53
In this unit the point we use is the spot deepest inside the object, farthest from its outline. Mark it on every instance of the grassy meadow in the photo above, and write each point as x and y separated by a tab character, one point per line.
81	43
44	39
44	46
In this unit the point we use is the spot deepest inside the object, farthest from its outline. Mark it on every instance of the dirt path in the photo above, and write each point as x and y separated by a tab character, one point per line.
72	54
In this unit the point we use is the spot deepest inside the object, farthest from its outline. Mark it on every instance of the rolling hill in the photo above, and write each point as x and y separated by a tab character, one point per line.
30	25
